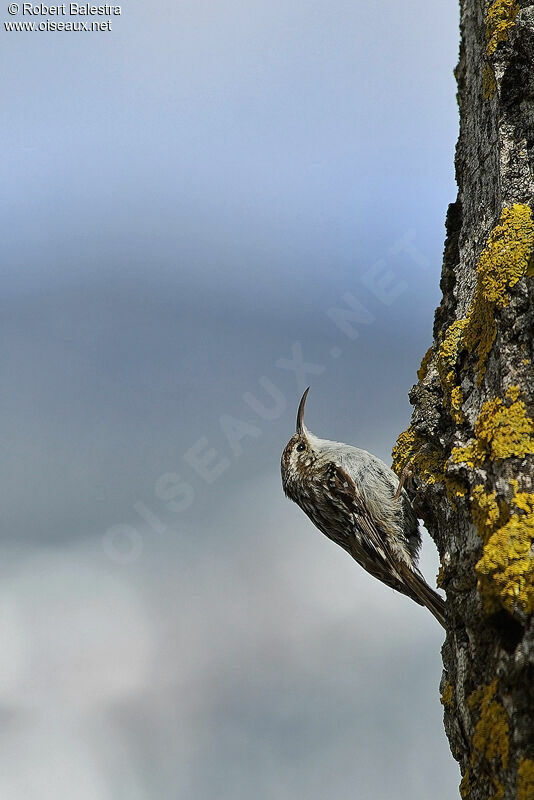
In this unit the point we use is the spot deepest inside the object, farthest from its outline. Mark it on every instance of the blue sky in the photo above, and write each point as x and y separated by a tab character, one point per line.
189	196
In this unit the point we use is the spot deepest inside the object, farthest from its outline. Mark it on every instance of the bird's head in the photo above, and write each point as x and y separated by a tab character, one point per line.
299	453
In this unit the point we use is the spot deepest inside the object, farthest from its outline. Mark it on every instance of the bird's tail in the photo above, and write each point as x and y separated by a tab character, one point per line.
424	593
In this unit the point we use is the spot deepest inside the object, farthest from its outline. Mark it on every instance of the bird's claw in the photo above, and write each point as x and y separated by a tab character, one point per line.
406	474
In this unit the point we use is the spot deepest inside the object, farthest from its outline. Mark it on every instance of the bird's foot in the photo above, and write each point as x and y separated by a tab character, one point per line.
406	474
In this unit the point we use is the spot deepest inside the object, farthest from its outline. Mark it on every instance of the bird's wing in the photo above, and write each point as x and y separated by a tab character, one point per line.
371	549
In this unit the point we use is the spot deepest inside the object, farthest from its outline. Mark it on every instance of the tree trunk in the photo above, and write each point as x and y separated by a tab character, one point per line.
471	441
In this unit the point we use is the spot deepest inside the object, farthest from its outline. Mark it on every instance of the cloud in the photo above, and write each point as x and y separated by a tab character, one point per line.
254	652
188	199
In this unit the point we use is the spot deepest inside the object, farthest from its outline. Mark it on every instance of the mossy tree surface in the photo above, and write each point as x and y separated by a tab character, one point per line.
471	440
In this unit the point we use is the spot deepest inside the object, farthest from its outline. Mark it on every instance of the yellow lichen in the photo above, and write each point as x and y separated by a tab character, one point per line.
425	363
470	781
408	443
491	741
430	466
491	736
467	455
448	695
505	259
457	400
455	489
506	570
465	785
507	256
525	779
451	344
487	513
489	84
502	430
480	332
426	462
513	392
453	397
499	19
447	357
523	501
498	793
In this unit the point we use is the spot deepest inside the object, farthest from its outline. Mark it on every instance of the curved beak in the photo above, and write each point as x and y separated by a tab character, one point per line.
300	412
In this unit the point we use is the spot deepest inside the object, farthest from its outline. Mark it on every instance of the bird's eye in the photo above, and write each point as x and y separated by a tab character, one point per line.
301	447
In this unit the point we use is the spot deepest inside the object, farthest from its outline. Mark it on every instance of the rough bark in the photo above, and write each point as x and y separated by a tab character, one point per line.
471	441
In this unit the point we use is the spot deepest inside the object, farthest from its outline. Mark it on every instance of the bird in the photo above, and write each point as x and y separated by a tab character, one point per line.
359	503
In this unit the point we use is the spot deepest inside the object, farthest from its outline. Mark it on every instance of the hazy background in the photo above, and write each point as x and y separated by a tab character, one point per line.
186	199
